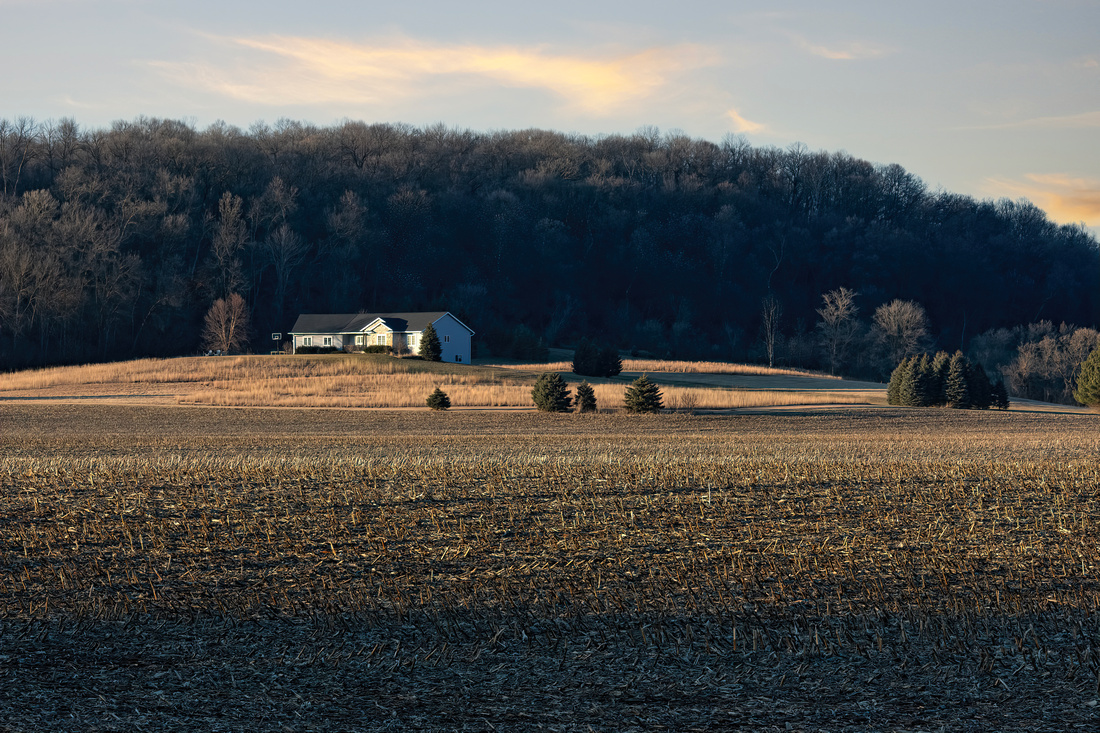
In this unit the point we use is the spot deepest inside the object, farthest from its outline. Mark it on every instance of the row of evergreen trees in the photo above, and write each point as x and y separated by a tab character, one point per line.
945	380
551	394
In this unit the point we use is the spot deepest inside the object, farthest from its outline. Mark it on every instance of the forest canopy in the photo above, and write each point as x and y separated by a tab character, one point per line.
116	242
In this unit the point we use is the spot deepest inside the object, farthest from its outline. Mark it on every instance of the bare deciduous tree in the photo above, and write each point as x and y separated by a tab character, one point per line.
901	328
286	250
229	238
227	324
838	325
770	312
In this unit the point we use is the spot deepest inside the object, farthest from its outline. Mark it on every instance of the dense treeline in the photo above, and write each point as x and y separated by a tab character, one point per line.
115	242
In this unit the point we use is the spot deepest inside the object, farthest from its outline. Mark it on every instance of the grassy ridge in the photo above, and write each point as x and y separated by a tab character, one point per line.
372	380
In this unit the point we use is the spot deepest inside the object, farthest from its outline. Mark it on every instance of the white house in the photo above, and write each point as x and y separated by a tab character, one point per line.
402	331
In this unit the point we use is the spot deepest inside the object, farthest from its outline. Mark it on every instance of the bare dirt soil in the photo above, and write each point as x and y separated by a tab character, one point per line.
859	569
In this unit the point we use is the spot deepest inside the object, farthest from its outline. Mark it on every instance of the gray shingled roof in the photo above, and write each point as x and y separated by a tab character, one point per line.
355	322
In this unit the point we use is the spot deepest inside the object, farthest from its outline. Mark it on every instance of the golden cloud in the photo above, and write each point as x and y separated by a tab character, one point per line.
315	71
1066	199
740	124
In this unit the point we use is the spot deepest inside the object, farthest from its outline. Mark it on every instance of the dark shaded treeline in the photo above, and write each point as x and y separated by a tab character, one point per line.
114	243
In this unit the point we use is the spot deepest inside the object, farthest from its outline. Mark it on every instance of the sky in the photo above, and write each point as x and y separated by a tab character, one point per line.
987	98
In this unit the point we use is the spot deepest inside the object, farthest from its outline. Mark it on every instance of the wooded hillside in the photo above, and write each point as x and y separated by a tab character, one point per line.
115	242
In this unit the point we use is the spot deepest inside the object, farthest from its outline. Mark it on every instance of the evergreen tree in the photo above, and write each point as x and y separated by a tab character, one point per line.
956	388
642	396
550	393
1088	381
999	396
923	382
893	396
439	400
909	387
430	347
586	398
610	363
585	358
977	381
941	363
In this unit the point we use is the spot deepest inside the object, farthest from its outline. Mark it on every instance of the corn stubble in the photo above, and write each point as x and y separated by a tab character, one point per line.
730	556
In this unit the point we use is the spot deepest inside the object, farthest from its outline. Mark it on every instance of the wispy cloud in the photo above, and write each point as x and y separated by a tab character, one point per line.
740	124
1067	199
1061	122
292	70
850	51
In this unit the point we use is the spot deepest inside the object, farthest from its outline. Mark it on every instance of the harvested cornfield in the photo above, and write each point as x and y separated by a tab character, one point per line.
849	570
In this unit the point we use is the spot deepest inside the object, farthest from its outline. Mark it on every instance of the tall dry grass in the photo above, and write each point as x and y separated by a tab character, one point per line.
380	381
656	366
411	390
205	369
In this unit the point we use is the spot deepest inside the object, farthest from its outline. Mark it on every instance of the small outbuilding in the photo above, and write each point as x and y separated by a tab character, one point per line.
400	331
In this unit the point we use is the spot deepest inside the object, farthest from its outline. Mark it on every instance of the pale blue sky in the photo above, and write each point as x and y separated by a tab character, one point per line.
985	98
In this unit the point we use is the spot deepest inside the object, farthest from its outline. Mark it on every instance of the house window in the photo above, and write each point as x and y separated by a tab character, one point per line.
458	358
412	340
307	341
360	340
328	340
446	339
381	339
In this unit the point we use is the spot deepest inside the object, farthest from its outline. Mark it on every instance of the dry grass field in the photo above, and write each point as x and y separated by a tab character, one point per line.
897	570
378	381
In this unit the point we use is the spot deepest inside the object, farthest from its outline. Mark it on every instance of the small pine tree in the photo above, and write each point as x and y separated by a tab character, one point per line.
586	398
610	364
1088	381
999	396
550	393
430	347
956	388
642	396
439	400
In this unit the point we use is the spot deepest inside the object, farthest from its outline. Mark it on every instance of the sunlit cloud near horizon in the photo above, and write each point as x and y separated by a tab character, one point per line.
1066	199
282	70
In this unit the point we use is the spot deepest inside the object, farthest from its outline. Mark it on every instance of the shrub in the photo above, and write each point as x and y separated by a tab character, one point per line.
316	350
550	393
1088	381
642	396
438	400
586	398
378	349
430	347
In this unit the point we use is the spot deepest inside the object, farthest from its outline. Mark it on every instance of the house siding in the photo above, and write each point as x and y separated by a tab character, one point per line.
454	338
